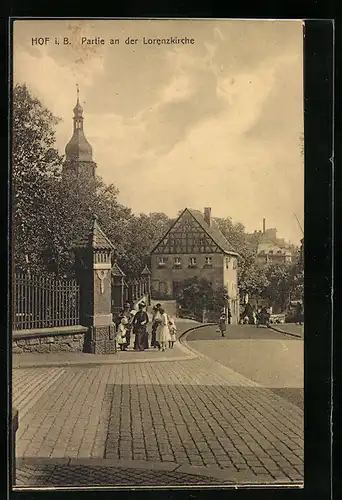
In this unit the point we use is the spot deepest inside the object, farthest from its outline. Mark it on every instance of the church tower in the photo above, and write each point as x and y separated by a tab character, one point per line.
79	153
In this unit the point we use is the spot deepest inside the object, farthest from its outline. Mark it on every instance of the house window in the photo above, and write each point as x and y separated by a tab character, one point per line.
177	262
192	262
208	261
227	262
234	264
161	262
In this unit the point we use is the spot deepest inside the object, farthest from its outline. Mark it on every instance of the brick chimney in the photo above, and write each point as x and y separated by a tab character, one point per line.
207	215
264	226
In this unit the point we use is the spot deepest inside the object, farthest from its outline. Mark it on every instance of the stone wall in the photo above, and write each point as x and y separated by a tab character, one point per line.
71	340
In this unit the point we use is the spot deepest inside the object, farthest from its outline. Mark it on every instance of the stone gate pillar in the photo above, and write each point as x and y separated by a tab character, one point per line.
93	268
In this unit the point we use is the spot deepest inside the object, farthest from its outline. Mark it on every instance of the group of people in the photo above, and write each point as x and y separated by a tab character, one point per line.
132	322
251	316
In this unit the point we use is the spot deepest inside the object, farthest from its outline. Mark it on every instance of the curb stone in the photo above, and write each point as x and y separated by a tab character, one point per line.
216	473
279	330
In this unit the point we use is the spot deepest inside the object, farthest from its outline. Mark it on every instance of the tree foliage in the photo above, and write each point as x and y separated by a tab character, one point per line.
197	294
35	162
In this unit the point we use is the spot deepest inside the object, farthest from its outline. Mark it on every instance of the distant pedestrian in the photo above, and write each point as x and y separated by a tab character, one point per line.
222	324
122	334
163	332
229	316
140	321
156	321
299	313
173	331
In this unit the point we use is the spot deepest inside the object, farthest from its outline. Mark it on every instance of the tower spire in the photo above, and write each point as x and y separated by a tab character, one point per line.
78	148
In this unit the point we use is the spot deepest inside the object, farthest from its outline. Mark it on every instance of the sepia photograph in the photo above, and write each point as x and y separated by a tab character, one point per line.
157	215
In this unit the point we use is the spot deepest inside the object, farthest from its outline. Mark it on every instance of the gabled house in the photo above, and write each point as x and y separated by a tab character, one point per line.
194	246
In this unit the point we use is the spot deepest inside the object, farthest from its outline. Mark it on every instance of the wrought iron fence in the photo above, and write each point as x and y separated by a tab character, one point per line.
41	302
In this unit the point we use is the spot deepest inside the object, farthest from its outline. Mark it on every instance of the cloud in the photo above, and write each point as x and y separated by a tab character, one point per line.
213	124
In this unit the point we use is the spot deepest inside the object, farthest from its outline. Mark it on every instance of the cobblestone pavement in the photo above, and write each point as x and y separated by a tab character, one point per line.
81	475
195	412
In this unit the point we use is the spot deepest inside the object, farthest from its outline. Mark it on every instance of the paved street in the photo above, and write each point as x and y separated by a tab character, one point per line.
269	358
207	418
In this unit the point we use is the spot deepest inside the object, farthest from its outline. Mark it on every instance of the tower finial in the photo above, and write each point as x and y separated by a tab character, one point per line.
78	92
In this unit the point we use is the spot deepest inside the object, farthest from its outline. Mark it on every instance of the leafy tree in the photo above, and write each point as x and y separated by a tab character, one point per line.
252	278
143	232
197	294
34	163
235	233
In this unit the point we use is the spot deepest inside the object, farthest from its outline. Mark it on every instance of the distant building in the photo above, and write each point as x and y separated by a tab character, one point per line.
194	246
271	249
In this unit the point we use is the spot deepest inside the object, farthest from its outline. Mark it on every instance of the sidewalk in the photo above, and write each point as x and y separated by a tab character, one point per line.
63	359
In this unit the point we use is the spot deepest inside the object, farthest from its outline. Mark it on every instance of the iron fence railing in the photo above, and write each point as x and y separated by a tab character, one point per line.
44	302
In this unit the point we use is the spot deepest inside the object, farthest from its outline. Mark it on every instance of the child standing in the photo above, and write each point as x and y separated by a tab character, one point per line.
173	331
121	335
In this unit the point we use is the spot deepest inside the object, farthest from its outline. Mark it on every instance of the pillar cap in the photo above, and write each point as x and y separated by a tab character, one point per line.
117	271
145	271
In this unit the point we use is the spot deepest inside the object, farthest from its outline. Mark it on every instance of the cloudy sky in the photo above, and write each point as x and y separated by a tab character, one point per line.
217	123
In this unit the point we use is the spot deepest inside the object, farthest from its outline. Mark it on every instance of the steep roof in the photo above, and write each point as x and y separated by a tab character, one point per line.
117	271
95	238
212	231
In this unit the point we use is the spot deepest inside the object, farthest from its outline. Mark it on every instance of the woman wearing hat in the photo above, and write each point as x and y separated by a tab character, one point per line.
140	321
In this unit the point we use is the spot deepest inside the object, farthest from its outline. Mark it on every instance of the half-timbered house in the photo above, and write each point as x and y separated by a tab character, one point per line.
194	246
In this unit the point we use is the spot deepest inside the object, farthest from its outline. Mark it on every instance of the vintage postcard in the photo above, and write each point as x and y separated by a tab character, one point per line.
157	170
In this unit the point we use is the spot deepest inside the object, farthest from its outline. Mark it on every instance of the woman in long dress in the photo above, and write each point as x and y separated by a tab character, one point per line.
163	332
139	328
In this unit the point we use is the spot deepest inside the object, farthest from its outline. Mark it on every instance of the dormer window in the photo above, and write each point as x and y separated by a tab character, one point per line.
192	262
208	261
161	262
177	262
